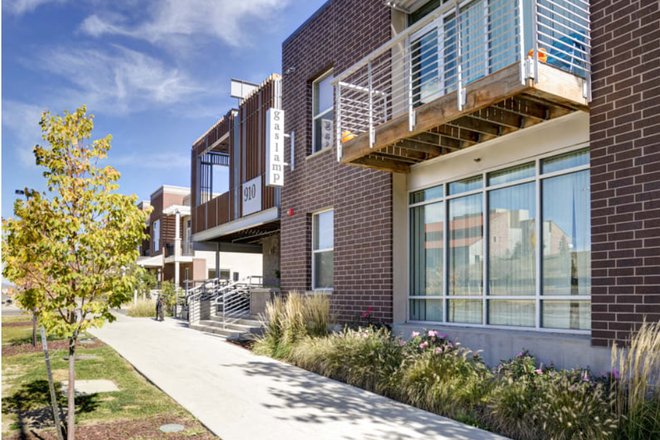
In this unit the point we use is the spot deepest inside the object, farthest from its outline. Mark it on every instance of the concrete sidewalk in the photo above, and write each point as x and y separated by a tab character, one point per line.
240	396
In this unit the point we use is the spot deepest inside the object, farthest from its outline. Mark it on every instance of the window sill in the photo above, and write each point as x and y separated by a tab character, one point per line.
318	153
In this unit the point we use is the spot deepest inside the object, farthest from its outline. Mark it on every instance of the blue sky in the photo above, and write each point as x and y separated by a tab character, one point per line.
156	75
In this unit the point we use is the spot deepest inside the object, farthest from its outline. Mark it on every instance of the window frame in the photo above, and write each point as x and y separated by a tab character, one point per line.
324	250
321	113
156	237
538	178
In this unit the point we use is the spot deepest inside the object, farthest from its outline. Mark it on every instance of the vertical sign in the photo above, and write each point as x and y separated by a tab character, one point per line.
275	147
326	133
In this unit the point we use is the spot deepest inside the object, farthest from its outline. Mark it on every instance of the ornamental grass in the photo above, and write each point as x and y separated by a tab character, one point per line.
518	398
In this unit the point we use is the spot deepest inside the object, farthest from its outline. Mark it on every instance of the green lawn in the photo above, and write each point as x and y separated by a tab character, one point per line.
18	318
26	399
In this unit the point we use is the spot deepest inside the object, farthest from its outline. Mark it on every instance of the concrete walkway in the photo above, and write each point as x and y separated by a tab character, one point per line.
240	396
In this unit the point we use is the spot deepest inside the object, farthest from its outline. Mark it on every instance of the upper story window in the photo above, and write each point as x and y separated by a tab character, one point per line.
156	235
322	112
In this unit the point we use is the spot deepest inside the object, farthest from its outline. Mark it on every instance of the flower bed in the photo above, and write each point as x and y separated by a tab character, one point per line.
517	398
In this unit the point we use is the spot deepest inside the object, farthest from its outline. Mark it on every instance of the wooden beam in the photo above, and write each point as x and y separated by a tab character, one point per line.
499	116
381	164
431	150
458	133
524	107
478	125
397	157
555	110
558	86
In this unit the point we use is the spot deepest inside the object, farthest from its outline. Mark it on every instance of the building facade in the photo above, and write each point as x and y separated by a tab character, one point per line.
479	179
169	250
233	209
349	208
486	168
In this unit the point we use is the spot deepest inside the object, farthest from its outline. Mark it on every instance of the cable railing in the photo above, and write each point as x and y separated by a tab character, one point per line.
454	46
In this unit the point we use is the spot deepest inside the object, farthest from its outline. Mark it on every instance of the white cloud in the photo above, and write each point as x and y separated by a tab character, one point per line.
23	121
176	22
20	7
120	81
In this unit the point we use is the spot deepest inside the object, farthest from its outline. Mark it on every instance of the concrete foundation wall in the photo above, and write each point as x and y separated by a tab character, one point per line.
565	351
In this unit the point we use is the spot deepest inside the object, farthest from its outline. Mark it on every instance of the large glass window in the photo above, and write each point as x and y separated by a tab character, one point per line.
323	250
322	112
508	247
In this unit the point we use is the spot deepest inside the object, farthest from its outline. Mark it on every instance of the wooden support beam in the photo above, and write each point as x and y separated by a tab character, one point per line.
499	116
458	133
431	150
524	107
381	164
396	157
478	125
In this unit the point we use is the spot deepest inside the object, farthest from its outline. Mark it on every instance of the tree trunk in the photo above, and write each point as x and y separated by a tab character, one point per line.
34	329
71	416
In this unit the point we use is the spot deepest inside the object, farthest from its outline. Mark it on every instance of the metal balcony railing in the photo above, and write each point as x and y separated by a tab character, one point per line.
454	46
186	249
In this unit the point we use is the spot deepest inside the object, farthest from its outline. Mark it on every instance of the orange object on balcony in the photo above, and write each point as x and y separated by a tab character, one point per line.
543	54
347	136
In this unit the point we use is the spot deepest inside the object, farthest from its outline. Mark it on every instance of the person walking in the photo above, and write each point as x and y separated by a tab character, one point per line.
160	309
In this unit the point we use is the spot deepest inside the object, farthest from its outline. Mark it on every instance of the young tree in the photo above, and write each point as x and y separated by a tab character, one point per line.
68	246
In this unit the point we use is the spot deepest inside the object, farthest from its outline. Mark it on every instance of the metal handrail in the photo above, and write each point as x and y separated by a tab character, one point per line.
232	297
458	43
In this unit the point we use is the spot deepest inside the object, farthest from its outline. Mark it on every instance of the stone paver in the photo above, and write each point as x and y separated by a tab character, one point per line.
240	396
87	387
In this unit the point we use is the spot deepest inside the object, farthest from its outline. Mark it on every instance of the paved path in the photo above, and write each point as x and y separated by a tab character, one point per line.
240	396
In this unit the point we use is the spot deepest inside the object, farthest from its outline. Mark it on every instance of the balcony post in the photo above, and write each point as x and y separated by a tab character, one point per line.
521	36
408	82
371	106
338	118
535	39
459	57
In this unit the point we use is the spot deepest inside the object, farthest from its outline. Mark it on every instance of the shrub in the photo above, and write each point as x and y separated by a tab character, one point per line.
289	321
439	376
638	391
575	407
144	308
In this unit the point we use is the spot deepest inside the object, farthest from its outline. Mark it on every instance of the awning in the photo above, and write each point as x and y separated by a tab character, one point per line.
156	261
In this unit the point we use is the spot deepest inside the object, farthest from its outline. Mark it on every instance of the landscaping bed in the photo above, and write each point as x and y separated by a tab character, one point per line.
146	428
517	398
136	410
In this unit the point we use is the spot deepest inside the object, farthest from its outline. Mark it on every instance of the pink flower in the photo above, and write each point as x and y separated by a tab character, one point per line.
401	343
439	350
370	308
585	379
364	315
539	371
423	344
519	354
433	339
616	374
442	336
432	333
414	334
552	374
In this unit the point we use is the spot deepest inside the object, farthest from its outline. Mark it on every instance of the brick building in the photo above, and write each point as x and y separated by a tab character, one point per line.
625	167
488	169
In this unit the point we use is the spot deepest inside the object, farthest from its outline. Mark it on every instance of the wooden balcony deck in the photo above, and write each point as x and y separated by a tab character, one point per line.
496	105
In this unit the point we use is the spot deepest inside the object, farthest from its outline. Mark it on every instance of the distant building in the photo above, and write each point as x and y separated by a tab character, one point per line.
169	251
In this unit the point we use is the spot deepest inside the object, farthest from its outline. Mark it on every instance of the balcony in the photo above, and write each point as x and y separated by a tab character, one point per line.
461	76
186	249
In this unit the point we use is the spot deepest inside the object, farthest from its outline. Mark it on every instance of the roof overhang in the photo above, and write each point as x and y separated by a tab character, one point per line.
156	261
251	221
173	209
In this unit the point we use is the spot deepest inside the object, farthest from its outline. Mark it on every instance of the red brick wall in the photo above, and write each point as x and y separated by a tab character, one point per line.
625	167
337	36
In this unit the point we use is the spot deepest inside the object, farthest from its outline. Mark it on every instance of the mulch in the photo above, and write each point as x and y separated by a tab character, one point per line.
12	350
129	429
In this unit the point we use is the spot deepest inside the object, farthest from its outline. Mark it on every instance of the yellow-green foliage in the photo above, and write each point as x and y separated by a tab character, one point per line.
144	308
638	393
68	247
